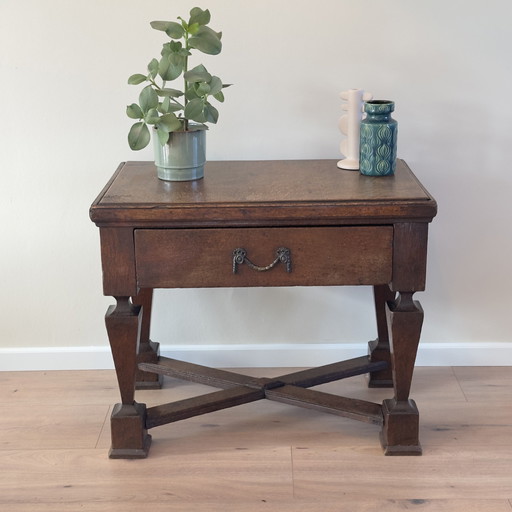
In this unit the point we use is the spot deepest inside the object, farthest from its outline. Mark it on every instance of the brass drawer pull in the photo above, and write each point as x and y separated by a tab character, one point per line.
283	255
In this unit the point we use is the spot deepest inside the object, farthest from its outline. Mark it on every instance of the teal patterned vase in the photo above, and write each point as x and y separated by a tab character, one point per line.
377	148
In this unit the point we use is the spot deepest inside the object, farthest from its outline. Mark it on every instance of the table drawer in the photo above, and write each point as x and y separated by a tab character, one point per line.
318	256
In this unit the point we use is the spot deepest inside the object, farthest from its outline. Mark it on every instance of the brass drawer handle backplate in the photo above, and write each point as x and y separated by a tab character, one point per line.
283	255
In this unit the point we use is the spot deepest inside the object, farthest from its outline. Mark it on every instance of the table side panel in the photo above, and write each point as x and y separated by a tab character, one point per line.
182	258
118	262
409	256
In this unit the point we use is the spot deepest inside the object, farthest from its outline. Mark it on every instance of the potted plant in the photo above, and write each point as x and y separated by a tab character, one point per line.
178	117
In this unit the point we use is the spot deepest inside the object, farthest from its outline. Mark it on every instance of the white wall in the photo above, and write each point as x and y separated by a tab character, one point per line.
63	71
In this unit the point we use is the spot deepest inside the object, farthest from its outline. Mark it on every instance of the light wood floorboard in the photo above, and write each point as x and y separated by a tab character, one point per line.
54	438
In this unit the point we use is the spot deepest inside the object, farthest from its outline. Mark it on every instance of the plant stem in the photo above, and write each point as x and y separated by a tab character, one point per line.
185	81
156	86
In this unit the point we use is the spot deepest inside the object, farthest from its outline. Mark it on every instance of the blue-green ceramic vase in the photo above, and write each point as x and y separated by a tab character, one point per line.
378	139
183	157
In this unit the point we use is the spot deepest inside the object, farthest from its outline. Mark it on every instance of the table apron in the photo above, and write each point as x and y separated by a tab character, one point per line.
320	256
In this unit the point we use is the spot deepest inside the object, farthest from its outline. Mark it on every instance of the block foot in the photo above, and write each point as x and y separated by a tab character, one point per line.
130	439
399	435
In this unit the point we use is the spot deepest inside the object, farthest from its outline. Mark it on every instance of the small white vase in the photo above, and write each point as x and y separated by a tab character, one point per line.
349	125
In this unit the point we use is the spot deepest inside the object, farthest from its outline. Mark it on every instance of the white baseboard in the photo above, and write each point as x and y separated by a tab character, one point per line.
231	356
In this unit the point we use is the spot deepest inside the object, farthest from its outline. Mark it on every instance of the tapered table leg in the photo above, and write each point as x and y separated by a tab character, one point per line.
128	422
400	432
378	349
149	351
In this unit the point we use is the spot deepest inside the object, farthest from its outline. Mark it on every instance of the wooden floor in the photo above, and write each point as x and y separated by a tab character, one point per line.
54	438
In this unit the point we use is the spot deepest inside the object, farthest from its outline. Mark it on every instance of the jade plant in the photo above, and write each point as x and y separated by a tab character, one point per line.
171	110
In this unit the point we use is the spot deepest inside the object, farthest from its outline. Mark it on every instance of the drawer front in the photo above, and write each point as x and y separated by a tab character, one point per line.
318	256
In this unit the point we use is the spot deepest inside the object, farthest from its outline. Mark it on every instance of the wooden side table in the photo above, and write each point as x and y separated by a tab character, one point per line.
266	223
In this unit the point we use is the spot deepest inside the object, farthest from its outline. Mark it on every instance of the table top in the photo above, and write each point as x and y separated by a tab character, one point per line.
245	193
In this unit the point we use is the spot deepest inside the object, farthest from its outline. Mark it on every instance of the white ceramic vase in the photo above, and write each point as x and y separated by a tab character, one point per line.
350	125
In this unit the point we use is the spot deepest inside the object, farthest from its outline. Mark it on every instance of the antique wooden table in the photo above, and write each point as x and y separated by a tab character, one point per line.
264	223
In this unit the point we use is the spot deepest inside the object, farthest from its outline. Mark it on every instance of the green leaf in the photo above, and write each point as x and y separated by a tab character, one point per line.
175	30
191	93
167	106
170	66
206	41
197	74
139	137
148	99
160	25
219	96
152	116
211	113
169	122
177	53
215	85
133	111
171	28
197	15
192	29
137	79
175	46
153	68
203	89
174	107
172	93
184	24
194	110
167	49
163	136
164	107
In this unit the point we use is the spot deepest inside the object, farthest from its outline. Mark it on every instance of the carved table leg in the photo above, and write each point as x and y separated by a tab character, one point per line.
149	351
378	349
399	434
128	422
